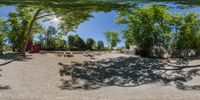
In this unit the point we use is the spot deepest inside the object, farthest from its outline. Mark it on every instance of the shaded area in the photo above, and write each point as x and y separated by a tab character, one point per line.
7	62
10	57
124	72
192	73
6	87
187	87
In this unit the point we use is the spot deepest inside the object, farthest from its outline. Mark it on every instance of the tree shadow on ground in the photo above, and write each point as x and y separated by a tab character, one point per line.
125	72
10	57
6	87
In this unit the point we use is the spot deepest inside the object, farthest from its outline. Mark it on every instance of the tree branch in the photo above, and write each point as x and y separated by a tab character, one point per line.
44	16
33	20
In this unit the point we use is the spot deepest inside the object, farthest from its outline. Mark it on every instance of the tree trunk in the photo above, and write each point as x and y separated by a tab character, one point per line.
108	45
23	48
1	51
29	32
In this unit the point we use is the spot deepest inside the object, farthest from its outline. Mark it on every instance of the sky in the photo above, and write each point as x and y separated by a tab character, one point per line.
102	22
95	27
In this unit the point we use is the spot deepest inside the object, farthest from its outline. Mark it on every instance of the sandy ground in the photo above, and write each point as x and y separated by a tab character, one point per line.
38	78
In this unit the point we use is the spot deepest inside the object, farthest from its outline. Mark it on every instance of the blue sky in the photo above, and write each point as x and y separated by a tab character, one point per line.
96	26
102	22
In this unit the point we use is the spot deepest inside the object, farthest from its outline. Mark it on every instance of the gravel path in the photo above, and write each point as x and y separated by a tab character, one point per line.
38	78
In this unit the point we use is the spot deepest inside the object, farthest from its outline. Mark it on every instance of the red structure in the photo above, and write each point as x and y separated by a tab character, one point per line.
29	45
35	48
32	48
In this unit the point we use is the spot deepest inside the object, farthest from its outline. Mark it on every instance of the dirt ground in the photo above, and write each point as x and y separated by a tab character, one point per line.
100	76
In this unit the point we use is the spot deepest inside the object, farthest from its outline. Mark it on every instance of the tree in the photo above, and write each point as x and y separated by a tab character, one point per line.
188	32
42	40
58	44
176	22
3	32
52	40
22	27
90	44
185	2
69	13
79	43
148	27
112	38
71	40
49	36
100	45
127	44
154	27
76	43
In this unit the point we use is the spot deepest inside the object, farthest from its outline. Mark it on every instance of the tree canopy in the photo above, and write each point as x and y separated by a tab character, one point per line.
75	42
112	37
3	32
91	43
63	2
100	45
154	27
188	32
24	22
147	27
